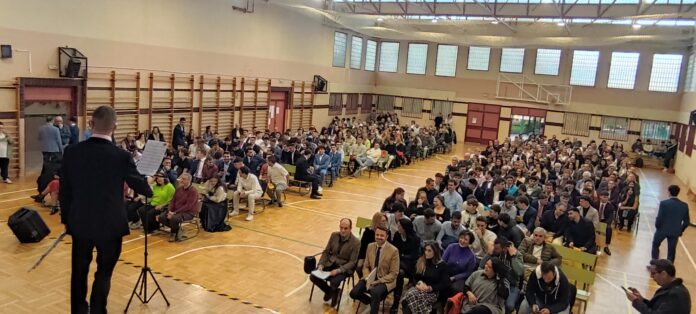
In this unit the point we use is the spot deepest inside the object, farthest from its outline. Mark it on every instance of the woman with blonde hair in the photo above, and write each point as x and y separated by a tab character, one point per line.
417	206
431	279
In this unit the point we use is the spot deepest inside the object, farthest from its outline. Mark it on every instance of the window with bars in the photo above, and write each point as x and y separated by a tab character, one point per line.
412	107
547	61
351	104
655	130
366	103
479	58
335	104
623	69
356	46
664	76
339	51
614	128
576	124
446	64
417	58
388	57
370	55
440	107
512	60
385	103
584	68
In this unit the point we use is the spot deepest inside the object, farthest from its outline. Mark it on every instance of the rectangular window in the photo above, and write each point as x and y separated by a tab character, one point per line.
370	55
655	130
446	64
356	46
623	69
339	51
388	57
479	58
335	104
366	103
417	58
584	68
547	61
385	103
351	104
412	107
440	107
664	76
512	60
576	124
614	128
690	80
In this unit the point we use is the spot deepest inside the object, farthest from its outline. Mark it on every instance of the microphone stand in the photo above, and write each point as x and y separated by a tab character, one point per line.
141	283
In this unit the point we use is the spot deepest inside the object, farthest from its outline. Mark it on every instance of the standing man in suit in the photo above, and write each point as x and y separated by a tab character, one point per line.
672	219
607	211
383	258
179	134
91	198
302	173
51	143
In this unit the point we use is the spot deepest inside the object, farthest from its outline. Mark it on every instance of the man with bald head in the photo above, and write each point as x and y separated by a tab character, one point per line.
340	258
91	197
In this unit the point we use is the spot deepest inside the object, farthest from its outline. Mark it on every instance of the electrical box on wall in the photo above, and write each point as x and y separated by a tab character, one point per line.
5	51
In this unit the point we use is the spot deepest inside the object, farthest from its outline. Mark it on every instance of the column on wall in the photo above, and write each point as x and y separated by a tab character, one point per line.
254	103
302	105
217	104
121	91
10	118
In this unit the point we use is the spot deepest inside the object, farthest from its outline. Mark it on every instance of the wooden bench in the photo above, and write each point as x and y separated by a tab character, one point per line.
303	187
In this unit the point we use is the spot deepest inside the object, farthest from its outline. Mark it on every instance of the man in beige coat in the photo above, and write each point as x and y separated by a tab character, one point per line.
382	265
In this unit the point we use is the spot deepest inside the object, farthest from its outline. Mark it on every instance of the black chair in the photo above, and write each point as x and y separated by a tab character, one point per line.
340	294
382	305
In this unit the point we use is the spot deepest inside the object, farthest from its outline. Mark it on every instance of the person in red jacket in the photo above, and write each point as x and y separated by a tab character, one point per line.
182	207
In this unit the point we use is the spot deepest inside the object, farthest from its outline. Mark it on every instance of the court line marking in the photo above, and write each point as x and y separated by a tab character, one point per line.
314	211
330	199
397	183
301	261
628	304
18	191
14	199
405	175
354	194
681	243
135	239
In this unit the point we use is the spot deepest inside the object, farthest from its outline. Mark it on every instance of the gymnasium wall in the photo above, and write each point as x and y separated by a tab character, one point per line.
685	162
182	36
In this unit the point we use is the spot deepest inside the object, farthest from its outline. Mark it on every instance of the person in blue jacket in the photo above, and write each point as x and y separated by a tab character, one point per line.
672	219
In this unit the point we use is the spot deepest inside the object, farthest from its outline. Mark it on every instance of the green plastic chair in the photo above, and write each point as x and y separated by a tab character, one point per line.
583	280
362	223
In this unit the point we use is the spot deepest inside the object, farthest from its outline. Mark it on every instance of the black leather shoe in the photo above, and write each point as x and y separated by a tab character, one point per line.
318	194
606	250
327	296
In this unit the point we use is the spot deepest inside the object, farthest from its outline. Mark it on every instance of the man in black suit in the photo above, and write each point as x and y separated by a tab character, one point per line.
607	210
672	219
179	134
302	173
496	193
290	155
91	198
253	161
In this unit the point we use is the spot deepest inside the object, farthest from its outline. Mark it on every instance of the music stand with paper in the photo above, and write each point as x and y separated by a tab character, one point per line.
149	163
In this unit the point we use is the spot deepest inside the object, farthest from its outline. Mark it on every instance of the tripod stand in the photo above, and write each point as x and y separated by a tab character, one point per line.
141	284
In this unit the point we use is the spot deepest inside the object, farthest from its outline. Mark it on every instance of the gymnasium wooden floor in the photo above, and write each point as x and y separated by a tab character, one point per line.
257	266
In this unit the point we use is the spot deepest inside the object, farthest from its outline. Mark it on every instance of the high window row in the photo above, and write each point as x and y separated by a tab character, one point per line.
664	75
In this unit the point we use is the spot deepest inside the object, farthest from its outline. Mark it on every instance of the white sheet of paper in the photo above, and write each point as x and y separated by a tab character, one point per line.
152	157
321	274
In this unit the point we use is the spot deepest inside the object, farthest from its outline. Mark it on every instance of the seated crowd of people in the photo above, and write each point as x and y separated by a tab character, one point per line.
252	163
480	233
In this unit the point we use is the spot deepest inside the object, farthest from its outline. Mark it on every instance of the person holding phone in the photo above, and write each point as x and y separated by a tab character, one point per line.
671	298
548	291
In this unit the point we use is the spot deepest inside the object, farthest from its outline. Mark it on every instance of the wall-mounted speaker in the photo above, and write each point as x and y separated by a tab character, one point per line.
5	51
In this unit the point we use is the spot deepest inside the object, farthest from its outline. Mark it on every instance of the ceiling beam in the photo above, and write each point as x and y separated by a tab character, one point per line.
483	5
